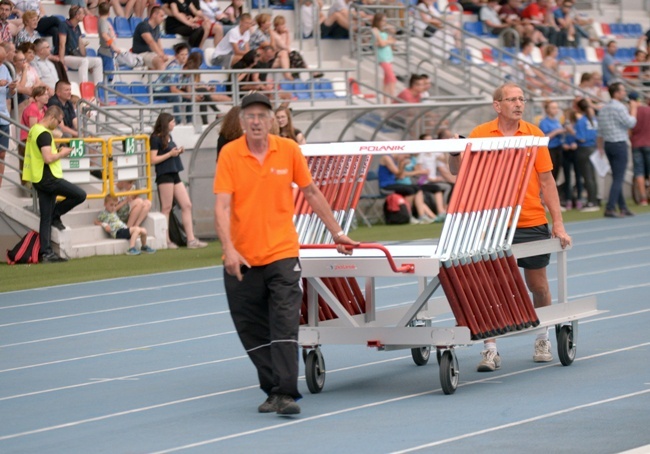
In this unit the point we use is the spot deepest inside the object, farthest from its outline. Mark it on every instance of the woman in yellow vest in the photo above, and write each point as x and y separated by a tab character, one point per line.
43	168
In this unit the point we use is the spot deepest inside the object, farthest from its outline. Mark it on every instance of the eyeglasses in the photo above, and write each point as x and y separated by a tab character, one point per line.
516	99
251	117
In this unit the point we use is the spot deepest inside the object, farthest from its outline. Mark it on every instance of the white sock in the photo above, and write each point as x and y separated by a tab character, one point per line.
543	336
491	346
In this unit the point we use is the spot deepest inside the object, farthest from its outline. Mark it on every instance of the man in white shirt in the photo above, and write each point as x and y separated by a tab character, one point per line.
44	67
234	45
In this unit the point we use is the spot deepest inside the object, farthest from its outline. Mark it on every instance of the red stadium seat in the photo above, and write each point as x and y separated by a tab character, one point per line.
90	24
87	90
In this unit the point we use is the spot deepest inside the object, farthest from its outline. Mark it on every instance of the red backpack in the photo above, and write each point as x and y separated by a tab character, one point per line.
396	210
27	249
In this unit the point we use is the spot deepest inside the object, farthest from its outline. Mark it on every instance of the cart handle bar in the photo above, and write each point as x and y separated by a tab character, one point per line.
403	268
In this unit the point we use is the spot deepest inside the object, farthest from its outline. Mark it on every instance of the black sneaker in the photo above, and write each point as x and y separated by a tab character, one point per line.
626	212
286	405
51	257
270	405
58	224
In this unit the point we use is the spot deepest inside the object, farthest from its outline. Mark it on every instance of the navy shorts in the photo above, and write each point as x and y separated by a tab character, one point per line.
168	178
123	234
525	235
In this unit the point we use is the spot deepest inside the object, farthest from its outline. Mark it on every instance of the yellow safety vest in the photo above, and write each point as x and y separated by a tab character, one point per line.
34	163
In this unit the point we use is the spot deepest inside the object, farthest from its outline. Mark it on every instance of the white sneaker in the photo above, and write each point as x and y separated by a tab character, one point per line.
426	220
542	351
414	221
196	244
491	361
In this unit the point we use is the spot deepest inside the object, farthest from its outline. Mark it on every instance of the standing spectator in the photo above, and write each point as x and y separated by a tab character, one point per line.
253	219
165	155
384	45
185	18
43	169
114	226
28	34
285	122
62	95
230	128
72	49
7	88
509	103
586	135
32	114
640	138
614	123
569	159
147	42
553	129
337	23
610	72
234	45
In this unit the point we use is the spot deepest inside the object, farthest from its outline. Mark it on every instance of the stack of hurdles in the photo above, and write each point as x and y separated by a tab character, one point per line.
478	272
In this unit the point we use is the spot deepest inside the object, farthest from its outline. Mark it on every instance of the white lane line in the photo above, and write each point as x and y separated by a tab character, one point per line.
523	421
124	350
278	426
114	328
122	308
97	295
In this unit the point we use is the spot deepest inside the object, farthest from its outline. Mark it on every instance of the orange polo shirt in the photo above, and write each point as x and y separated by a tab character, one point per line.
532	210
261	210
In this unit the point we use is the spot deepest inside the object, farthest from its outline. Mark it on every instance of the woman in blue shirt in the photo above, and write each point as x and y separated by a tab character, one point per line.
553	129
570	145
586	132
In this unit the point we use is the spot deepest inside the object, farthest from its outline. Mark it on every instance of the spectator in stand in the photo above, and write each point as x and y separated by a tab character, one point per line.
47	25
234	45
569	159
310	15
28	76
8	30
165	155
428	19
127	8
510	14
212	12
230	128
591	83
394	176
530	76
47	70
203	94
417	86
72	49
610	73
168	86
281	41
640	139
262	34
540	15
243	82
186	19
550	62
266	60
32	114
489	16
233	14
337	23
586	134
107	40
10	53
28	34
384	45
614	123
19	64
61	99
147	43
575	25
439	180
553	129
637	73
7	89
285	122
472	6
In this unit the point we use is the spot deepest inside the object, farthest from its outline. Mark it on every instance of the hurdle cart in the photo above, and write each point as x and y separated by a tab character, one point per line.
473	262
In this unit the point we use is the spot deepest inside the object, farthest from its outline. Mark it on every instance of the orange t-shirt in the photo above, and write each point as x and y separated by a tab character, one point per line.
262	207
532	211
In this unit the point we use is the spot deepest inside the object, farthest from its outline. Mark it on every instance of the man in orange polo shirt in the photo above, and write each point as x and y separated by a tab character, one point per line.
254	220
509	103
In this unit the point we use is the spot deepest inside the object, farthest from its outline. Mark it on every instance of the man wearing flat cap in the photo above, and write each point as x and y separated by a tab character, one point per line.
254	220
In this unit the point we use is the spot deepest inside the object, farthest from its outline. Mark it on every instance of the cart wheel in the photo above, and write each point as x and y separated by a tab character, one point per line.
421	355
449	372
566	349
315	371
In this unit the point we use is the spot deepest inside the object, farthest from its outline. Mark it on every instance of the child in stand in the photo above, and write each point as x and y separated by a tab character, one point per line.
112	224
384	45
569	161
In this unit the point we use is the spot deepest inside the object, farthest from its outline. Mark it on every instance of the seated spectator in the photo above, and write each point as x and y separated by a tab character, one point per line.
243	82
262	34
62	95
72	49
113	225
394	175
638	73
185	18
233	13
417	86
32	114
574	25
7	88
472	6
234	45
540	15
230	128
530	76
165	156
281	42
128	8
47	70
337	23
28	34
510	14
285	122
202	93
131	209
489	16
10	53
28	75
266	59
212	12
428	19
147	42
168	85
8	29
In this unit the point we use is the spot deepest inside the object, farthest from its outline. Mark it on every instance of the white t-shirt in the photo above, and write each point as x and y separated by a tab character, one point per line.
430	161
232	38
210	8
337	5
429	11
307	19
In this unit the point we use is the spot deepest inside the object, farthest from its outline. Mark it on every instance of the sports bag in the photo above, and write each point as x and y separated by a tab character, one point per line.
176	230
396	210
27	249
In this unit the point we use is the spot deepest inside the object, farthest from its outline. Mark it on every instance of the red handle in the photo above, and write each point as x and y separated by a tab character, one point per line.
404	268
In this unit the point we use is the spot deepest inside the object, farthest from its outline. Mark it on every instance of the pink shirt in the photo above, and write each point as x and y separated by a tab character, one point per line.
31	111
407	95
641	132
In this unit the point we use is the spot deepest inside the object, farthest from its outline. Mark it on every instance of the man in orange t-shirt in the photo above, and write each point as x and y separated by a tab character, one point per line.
254	220
509	103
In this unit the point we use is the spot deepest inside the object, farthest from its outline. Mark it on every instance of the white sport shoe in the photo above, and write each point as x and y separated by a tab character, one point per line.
542	351
196	244
491	361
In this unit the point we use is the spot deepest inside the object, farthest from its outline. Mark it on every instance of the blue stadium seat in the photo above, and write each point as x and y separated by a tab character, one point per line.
169	51
133	23
325	89
616	29
140	91
90	52
286	85
474	27
219	87
582	55
124	88
635	30
103	95
302	90
122	27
